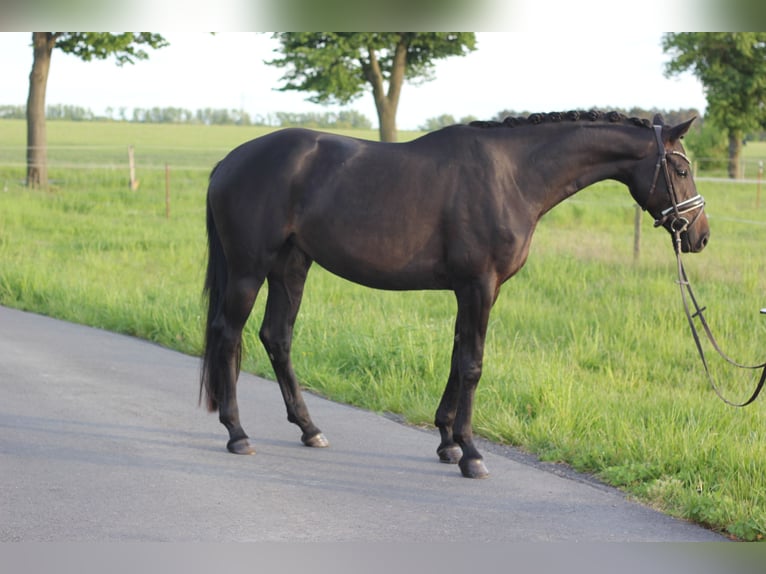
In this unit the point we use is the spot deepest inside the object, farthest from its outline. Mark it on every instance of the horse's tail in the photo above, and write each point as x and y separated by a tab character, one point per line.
216	279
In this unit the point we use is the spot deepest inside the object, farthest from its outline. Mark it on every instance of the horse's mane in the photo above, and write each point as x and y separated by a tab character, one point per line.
560	117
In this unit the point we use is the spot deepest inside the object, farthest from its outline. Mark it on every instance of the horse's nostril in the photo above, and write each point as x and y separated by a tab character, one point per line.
704	240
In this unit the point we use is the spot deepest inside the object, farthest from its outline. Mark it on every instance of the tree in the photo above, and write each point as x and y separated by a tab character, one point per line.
708	146
126	48
437	122
732	68
337	66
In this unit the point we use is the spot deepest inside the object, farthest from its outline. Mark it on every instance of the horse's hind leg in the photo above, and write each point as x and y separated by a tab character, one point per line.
239	298
286	281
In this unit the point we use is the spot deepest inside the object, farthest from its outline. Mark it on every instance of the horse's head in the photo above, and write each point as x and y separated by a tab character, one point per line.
663	186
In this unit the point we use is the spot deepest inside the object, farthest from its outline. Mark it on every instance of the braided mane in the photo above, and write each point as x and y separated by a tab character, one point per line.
559	117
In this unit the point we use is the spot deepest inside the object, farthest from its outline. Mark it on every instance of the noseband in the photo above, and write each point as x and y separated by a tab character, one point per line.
675	213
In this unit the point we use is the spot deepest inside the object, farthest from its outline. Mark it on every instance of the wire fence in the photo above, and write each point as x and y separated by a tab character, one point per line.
716	168
116	157
158	167
154	157
105	163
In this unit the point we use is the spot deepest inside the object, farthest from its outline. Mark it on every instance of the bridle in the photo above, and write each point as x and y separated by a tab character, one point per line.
678	224
675	213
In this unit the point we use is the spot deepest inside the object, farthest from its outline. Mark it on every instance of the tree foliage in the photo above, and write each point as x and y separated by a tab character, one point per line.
337	67
732	68
126	48
444	120
345	119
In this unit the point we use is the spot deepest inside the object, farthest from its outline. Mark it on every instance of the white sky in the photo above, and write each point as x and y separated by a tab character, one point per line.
534	71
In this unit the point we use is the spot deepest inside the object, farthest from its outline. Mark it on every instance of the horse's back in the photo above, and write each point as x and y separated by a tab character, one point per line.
268	156
393	216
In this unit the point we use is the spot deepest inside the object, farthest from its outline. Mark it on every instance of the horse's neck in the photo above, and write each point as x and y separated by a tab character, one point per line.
583	155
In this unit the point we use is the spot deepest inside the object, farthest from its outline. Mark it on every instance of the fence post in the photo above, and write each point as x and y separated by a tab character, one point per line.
132	169
167	191
637	234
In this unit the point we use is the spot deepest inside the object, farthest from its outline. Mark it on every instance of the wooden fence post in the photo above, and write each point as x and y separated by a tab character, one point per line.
167	191
637	234
133	183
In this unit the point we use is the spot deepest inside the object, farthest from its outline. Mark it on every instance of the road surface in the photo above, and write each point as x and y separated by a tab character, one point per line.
101	440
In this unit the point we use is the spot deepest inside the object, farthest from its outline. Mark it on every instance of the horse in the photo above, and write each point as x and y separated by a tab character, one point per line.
454	209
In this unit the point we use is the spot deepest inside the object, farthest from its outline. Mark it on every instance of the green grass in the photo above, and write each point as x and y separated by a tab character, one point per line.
588	357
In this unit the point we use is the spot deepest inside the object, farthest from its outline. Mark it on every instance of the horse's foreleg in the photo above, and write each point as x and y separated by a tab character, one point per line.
286	281
474	303
449	451
240	296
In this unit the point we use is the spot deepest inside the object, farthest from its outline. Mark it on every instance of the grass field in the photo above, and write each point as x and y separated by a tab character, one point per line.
588	359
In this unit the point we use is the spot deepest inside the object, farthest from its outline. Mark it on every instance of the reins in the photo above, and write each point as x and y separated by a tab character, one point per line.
678	224
686	289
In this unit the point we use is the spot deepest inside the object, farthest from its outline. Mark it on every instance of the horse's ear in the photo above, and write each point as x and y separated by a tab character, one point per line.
658	120
677	132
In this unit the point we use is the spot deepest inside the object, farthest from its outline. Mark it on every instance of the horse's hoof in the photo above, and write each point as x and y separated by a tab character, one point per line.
473	468
240	446
450	454
316	441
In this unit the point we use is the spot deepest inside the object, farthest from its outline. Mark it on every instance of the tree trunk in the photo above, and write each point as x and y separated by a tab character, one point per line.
735	146
37	144
386	122
386	104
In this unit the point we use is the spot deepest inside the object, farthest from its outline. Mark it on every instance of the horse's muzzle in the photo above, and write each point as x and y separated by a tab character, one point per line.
694	242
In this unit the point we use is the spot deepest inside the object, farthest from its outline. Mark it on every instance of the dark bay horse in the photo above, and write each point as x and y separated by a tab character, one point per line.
454	209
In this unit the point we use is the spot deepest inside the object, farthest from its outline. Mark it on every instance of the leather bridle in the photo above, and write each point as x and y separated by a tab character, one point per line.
677	210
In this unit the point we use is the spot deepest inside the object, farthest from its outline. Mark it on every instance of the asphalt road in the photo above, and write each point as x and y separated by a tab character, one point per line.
101	440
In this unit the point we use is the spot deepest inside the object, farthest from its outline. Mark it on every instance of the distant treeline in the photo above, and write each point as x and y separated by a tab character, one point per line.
345	119
58	112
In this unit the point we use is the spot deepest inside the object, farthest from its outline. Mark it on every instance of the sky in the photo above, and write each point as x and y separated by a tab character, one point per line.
534	71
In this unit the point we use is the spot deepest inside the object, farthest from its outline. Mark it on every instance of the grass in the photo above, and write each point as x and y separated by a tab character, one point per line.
588	357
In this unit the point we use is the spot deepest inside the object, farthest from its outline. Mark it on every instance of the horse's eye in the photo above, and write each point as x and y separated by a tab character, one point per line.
682	172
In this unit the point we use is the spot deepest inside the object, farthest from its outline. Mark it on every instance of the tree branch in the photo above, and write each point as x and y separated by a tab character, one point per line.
398	70
375	76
